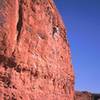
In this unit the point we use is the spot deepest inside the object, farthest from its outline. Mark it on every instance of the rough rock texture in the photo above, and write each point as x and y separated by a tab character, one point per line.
34	53
86	96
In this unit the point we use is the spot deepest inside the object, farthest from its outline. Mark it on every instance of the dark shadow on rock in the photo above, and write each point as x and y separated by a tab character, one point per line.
7	62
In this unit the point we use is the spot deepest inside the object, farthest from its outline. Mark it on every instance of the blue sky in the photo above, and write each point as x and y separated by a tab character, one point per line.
82	19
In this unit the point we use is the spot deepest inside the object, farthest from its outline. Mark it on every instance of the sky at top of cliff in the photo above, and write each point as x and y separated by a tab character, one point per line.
82	19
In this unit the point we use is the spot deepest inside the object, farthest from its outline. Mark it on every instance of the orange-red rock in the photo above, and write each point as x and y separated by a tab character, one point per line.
35	62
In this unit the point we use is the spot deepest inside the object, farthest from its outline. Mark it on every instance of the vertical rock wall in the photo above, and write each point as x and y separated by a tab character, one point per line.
35	62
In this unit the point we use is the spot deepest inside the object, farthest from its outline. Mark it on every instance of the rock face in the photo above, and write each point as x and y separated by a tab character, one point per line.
86	96
35	57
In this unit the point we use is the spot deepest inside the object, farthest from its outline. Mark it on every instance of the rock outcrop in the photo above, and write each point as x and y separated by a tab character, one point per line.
86	96
35	62
83	96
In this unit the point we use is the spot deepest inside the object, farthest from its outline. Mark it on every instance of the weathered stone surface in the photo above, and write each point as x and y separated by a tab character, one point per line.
35	62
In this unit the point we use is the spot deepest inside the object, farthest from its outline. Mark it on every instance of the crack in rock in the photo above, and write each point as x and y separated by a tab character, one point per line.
20	22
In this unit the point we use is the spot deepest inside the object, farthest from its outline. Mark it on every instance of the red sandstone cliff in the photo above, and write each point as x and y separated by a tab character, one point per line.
34	53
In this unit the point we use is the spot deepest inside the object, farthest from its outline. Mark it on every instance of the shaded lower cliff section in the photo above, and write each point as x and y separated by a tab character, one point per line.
86	96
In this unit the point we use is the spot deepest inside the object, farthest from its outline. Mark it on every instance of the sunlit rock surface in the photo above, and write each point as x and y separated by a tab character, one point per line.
35	62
